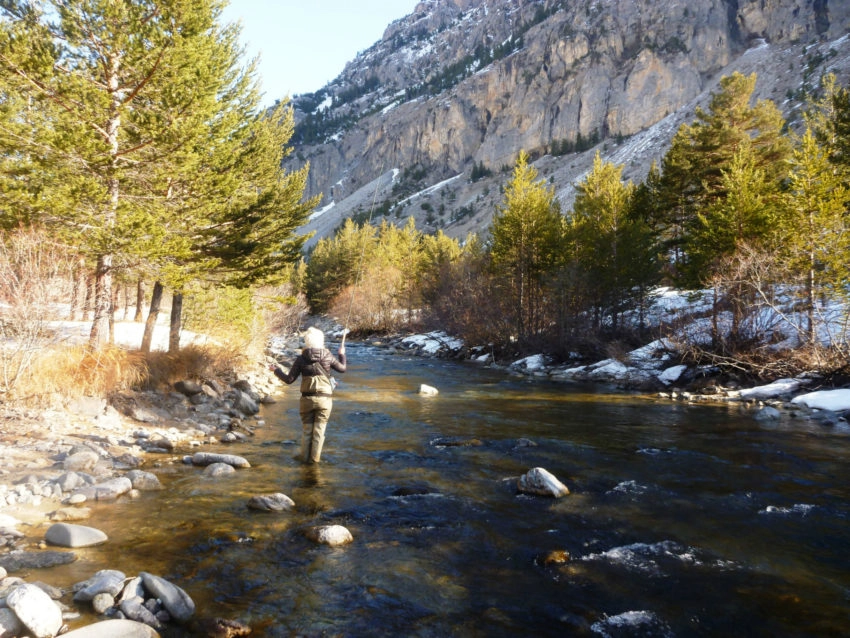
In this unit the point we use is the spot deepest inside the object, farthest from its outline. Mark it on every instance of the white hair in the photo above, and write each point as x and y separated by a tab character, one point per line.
314	338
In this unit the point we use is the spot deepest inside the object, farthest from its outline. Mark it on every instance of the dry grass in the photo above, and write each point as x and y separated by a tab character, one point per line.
193	362
73	371
69	371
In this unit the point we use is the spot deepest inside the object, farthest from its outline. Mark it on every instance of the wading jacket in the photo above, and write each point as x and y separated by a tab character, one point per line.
314	365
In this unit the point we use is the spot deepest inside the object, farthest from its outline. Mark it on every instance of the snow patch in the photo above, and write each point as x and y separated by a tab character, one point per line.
834	400
321	211
771	390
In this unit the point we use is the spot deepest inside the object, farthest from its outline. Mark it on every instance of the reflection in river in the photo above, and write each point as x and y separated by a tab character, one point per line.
683	520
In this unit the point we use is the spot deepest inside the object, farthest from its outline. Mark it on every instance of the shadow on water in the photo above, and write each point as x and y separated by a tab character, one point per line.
683	520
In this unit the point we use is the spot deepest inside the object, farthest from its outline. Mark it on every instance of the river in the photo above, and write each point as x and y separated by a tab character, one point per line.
683	520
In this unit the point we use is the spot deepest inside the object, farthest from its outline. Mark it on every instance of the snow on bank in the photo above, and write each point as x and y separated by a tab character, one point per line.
832	400
432	342
128	334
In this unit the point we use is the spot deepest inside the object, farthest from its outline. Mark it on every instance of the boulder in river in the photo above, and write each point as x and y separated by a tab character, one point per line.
107	491
176	601
208	458
541	482
271	502
144	481
333	535
36	610
109	581
215	470
70	535
428	390
21	560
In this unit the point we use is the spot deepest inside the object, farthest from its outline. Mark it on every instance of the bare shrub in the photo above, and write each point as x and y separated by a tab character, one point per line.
284	308
762	324
468	304
371	305
36	275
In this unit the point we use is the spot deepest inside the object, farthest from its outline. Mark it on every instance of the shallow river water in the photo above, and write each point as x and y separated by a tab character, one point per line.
683	520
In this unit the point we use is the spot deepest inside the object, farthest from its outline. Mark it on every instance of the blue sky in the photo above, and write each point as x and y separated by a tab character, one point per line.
304	44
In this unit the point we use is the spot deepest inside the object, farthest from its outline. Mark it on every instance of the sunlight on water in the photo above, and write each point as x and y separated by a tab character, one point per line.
682	520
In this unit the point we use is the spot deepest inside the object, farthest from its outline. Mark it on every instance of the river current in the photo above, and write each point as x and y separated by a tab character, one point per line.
683	520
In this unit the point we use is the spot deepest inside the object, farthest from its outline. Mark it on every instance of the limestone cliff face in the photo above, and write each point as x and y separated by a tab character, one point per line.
463	83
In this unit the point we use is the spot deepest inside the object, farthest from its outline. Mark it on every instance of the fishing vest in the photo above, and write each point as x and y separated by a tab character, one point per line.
316	383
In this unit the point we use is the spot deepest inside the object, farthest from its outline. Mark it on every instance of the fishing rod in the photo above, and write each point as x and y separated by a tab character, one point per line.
362	256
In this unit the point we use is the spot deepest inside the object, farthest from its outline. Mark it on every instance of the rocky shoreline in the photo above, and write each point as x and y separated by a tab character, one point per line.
55	462
655	371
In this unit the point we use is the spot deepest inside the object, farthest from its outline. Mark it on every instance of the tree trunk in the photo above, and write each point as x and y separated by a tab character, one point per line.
156	299
126	290
140	300
78	296
176	319
103	273
99	335
87	302
112	312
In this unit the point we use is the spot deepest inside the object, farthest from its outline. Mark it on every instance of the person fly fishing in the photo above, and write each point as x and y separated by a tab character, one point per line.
314	365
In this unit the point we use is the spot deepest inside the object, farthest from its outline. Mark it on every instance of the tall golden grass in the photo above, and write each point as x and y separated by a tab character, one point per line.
74	371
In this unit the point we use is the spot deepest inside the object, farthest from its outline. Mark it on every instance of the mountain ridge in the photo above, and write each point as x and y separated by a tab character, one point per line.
425	122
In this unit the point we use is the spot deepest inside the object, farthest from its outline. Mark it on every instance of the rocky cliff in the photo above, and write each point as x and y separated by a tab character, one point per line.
426	120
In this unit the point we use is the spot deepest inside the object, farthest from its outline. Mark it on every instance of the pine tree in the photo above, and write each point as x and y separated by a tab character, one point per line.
701	154
526	232
612	250
816	236
147	129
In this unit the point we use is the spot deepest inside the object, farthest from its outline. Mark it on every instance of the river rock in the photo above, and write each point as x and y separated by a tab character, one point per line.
10	624
36	610
768	413
428	390
69	535
189	388
143	415
133	589
176	601
109	581
134	610
114	629
271	502
244	403
70	481
216	470
208	458
333	535
22	560
64	514
54	592
542	482
107	491
102	603
144	481
83	461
